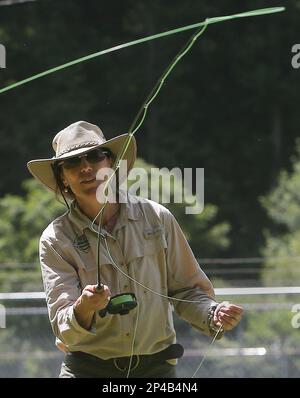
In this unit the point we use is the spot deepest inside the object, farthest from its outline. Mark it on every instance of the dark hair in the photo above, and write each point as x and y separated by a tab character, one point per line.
59	190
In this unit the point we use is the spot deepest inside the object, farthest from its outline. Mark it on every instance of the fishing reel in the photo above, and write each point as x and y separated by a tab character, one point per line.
120	304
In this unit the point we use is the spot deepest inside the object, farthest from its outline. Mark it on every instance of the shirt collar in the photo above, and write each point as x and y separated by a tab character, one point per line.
130	206
130	210
78	218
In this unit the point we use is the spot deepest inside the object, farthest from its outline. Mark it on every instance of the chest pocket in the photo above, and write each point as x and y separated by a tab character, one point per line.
149	243
86	257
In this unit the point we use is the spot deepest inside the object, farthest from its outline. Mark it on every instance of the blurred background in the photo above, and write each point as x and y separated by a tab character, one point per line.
230	107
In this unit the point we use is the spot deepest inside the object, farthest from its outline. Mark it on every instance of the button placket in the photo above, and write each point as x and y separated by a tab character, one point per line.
128	325
123	282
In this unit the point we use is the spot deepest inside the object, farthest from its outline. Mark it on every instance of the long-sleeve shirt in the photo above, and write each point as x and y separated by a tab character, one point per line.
148	245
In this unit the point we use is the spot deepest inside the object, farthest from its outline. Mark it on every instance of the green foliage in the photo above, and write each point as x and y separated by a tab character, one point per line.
273	329
230	106
205	234
283	203
22	220
282	249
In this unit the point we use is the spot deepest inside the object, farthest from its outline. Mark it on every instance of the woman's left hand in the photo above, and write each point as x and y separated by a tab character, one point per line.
227	315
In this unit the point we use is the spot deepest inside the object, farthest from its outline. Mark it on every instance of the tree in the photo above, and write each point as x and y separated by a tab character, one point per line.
282	250
272	327
22	219
224	108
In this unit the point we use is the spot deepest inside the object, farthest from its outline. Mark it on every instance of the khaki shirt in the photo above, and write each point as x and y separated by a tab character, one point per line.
149	246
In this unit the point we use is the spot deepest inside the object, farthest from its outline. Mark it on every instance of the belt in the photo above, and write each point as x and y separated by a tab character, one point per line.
174	351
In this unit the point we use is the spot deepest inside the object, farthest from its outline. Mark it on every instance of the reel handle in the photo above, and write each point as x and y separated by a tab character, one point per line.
99	289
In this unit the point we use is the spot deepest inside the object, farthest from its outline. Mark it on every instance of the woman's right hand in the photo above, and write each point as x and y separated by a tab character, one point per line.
94	299
91	300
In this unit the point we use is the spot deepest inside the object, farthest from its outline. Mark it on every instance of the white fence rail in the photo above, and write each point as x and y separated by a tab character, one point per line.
236	291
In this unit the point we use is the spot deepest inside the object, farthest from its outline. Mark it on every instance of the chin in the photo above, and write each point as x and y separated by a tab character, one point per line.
91	191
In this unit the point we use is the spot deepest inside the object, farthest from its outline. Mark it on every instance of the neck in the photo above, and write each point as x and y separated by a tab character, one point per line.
92	208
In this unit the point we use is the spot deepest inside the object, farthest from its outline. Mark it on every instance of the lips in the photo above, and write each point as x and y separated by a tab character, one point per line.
88	180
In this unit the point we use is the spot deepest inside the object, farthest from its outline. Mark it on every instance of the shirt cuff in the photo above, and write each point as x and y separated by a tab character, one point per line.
197	316
214	329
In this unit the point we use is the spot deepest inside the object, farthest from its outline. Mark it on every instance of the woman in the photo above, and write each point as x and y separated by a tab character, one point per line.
143	254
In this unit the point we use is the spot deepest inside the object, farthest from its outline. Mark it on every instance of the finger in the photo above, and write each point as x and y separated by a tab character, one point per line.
103	291
106	292
97	288
89	288
230	312
224	318
233	315
236	308
225	325
222	304
230	318
218	324
226	304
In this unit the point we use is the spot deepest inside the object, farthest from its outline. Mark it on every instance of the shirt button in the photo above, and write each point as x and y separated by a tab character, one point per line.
125	286
127	334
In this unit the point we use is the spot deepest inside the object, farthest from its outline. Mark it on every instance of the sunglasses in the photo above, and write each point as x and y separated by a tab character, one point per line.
97	155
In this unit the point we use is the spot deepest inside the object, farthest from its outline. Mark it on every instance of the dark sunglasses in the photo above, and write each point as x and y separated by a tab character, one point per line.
97	155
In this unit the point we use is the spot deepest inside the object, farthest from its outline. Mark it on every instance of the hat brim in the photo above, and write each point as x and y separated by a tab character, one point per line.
41	169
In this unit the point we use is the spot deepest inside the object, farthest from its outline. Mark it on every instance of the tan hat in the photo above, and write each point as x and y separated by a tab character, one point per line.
78	138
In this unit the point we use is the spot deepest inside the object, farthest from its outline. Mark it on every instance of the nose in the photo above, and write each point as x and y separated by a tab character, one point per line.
85	165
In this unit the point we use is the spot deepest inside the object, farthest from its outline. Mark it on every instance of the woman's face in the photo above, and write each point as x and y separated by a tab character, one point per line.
80	174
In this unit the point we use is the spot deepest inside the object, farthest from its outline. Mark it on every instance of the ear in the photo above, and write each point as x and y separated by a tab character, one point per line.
63	178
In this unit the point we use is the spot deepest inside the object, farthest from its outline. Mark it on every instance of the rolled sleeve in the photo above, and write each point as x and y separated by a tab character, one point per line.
62	289
195	312
186	280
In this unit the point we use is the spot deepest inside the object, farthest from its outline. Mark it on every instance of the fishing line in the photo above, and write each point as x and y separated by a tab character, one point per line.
128	303
141	284
135	330
207	351
164	296
133	339
140	117
214	20
136	124
134	128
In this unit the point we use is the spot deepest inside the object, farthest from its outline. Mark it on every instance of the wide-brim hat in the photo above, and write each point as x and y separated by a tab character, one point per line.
79	138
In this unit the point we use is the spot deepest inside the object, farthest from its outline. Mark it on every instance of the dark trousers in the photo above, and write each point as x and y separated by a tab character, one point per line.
82	365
